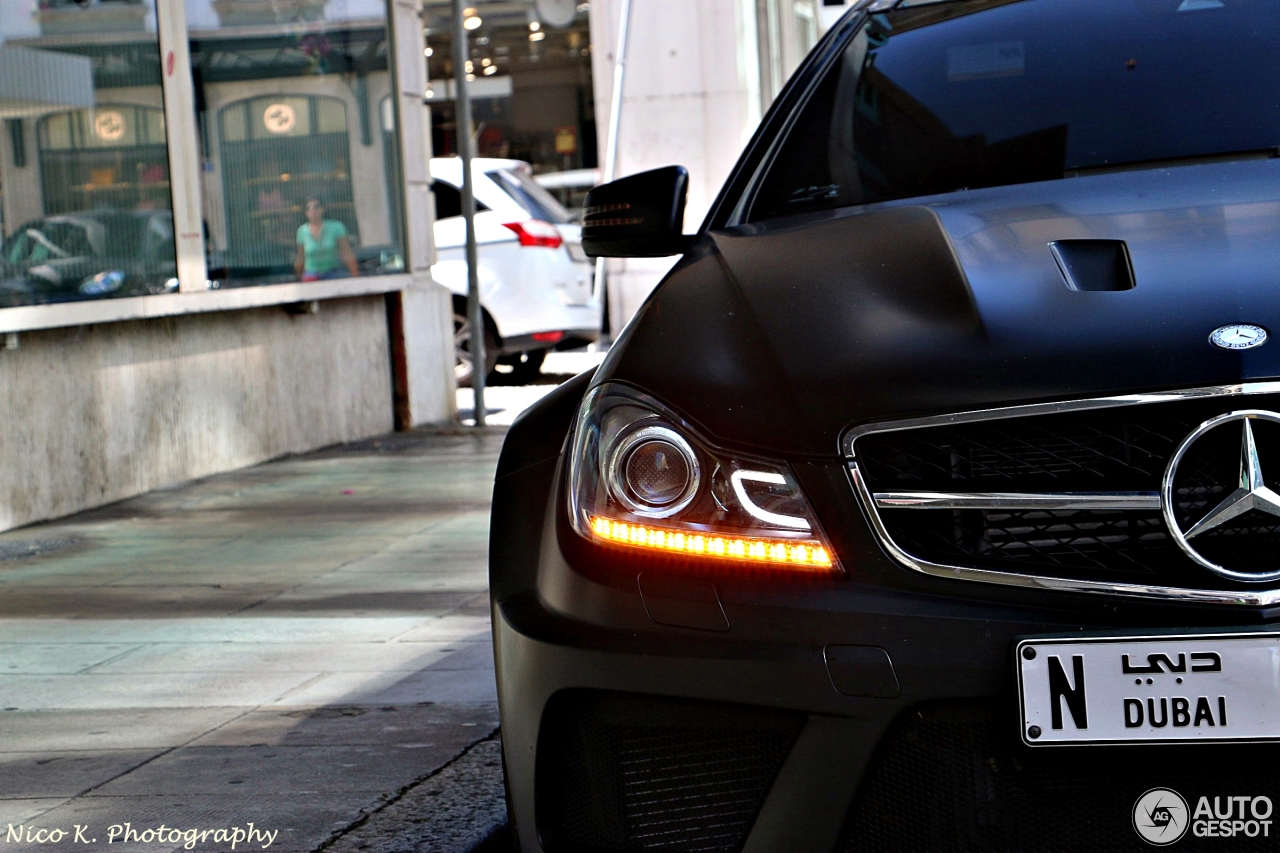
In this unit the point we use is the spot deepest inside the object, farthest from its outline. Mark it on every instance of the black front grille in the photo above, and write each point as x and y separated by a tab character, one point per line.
618	772
1082	451
954	779
1115	449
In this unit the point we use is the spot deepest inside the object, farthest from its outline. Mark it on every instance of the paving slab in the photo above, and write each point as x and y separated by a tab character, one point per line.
57	659
21	810
277	628
275	657
130	728
401	726
131	690
474	686
355	600
452	627
272	769
65	774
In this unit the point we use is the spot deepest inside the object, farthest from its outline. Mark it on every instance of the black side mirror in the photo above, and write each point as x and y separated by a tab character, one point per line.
640	216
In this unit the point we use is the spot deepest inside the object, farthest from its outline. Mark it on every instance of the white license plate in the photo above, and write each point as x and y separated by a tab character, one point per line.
1181	687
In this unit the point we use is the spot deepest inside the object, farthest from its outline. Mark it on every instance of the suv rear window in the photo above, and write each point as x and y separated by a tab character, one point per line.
946	96
533	198
449	200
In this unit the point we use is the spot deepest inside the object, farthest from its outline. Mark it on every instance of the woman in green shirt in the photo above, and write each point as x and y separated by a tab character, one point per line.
324	248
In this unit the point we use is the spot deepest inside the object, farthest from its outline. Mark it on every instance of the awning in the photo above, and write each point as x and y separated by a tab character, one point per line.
33	82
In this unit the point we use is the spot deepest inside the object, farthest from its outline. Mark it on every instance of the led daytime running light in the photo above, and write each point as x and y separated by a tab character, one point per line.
778	552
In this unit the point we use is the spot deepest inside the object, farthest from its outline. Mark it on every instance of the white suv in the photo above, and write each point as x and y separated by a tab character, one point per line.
535	280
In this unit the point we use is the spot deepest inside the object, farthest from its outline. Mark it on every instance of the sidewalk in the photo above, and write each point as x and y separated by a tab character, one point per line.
291	645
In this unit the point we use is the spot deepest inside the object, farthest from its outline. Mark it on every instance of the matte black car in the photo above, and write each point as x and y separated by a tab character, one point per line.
932	501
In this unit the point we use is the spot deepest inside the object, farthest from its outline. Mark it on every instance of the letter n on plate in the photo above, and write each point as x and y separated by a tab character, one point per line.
1061	689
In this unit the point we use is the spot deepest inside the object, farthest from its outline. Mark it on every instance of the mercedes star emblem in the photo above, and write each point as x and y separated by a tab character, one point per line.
1252	493
1238	336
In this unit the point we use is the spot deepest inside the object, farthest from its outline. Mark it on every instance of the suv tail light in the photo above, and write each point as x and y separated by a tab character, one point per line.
535	232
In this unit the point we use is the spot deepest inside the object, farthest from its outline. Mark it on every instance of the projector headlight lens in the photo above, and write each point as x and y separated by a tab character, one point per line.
653	472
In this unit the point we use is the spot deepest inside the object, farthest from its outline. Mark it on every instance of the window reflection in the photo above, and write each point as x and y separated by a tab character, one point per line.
294	103
277	152
84	168
112	156
532	96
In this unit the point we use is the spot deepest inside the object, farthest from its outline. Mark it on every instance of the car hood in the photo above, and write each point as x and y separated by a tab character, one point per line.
783	335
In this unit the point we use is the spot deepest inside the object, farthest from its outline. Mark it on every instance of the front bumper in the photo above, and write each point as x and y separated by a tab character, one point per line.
938	768
806	804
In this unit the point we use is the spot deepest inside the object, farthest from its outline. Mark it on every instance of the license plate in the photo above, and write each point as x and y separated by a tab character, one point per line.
1212	687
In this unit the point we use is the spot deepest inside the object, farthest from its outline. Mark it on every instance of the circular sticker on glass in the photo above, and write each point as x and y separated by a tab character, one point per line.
1160	816
279	118
109	125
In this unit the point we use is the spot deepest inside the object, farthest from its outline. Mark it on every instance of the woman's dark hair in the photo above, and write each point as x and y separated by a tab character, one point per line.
317	199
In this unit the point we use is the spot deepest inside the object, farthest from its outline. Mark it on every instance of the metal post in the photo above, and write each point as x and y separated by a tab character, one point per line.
611	138
462	115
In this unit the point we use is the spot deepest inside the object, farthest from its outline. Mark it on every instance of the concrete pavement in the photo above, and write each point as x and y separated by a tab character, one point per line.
295	645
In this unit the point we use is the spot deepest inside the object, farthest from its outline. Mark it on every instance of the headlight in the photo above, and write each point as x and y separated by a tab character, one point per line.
104	282
639	477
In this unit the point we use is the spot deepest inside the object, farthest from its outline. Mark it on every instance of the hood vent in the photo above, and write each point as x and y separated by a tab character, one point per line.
1094	264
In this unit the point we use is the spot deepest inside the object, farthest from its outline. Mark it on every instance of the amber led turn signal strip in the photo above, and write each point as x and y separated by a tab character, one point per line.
779	552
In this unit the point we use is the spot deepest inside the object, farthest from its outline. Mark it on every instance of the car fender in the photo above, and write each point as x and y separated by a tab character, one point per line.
523	485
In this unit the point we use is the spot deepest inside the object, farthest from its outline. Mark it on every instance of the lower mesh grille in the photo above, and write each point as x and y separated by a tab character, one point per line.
628	773
953	779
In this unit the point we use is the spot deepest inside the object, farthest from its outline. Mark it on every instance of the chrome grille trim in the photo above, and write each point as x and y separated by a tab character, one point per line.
1260	598
872	506
1018	501
1022	411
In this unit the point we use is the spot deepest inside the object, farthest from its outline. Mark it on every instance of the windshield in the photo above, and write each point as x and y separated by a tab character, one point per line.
533	198
977	93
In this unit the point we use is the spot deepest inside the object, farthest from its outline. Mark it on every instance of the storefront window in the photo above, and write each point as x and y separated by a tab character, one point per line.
297	139
84	168
112	156
532	90
276	152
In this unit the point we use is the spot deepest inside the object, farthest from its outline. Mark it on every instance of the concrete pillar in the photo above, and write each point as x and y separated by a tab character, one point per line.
184	157
421	316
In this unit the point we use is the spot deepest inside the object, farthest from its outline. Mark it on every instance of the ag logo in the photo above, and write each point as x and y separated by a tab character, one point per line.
1160	816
